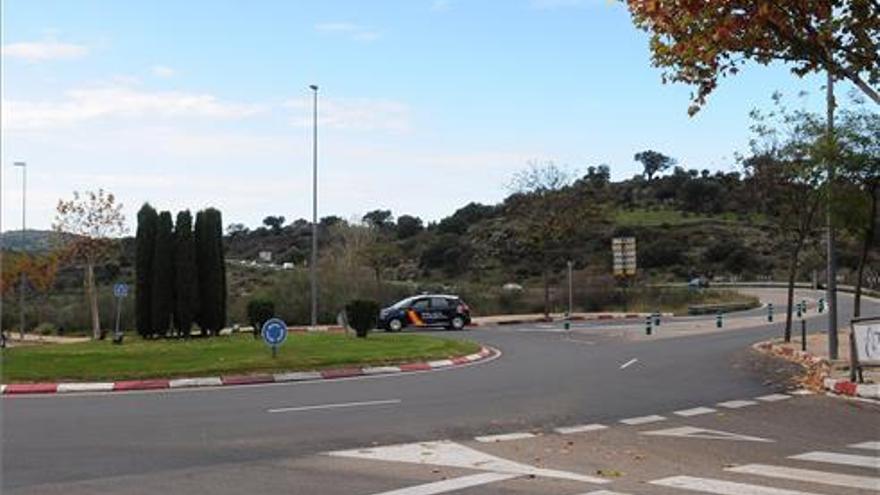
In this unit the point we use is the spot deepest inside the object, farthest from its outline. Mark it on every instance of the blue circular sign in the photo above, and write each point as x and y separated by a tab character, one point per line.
274	331
120	290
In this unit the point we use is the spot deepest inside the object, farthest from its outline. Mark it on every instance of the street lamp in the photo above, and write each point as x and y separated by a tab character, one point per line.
313	265
21	288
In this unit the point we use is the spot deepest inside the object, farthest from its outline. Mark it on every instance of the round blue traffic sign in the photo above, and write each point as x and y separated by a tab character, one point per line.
120	290
274	331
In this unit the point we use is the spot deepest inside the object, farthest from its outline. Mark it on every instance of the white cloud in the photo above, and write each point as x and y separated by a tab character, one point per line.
353	113
349	29
162	71
38	51
117	101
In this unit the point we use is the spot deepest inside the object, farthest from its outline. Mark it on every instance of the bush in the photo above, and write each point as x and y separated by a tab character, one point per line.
362	315
258	311
46	329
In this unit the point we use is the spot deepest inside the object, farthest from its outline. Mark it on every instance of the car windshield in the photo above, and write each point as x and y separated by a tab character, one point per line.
404	303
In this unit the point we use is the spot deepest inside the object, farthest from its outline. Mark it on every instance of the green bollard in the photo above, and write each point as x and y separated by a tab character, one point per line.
648	328
656	319
821	305
719	320
804	306
799	313
770	312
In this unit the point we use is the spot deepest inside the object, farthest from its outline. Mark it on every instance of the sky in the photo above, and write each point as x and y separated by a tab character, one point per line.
424	105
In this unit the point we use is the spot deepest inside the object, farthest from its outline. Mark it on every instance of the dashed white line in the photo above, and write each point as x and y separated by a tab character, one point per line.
642	420
809	476
737	404
845	459
695	411
773	397
629	363
801	392
335	406
504	437
605	492
567	430
452	485
721	487
866	445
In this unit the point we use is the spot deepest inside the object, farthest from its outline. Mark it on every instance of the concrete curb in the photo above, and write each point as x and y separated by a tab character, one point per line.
596	316
819	371
219	381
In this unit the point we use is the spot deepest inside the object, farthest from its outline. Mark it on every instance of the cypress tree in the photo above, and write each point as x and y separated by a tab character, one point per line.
144	247
163	276
186	278
211	270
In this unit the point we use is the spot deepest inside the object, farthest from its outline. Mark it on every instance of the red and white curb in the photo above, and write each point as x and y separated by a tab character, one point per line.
218	381
846	387
592	317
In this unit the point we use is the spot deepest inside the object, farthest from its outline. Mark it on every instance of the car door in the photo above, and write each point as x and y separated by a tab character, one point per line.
419	312
440	311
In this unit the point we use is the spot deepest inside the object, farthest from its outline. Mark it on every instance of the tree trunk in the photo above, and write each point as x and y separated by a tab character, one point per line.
546	278
866	248
792	273
92	293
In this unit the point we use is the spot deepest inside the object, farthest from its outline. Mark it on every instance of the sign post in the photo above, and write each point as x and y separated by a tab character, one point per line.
623	250
274	333
120	291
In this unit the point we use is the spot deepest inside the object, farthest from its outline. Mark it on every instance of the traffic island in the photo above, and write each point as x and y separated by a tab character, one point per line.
238	360
821	374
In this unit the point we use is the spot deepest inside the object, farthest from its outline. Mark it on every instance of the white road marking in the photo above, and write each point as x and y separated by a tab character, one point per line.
504	437
641	420
692	432
629	363
801	392
773	397
452	485
604	492
809	476
451	454
845	459
695	411
866	445
737	404
721	487
567	430
335	406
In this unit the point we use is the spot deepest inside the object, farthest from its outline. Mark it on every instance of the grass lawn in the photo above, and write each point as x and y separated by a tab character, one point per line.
239	354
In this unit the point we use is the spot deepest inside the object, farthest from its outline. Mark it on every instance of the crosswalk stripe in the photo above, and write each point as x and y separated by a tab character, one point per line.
866	445
835	458
736	404
504	437
605	492
641	420
809	476
695	411
721	487
566	430
773	397
451	485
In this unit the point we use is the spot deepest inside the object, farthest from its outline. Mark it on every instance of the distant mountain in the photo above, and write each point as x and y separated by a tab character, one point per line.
33	241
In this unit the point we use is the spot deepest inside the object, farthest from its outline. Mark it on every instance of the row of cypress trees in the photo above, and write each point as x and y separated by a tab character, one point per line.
180	273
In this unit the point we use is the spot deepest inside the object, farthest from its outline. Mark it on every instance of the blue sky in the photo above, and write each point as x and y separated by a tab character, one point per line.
425	104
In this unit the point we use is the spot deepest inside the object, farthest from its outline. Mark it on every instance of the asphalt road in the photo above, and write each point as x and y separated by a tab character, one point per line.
544	379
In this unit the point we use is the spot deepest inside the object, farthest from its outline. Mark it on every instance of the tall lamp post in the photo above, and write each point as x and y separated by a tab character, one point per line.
313	264
21	287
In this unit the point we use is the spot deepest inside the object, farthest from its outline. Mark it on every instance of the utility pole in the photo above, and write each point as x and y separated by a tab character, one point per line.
831	257
313	264
21	287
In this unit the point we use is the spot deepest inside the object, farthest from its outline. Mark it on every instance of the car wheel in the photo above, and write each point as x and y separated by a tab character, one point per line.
457	323
395	325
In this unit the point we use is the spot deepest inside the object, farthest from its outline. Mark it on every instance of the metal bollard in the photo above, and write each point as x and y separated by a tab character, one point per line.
648	328
770	312
656	319
821	305
804	306
804	335
719	320
799	313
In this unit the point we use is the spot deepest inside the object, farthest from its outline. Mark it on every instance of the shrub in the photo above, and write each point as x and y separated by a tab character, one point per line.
258	311
46	329
362	315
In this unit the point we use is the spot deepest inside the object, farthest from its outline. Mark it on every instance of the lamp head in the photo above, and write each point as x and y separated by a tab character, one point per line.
313	87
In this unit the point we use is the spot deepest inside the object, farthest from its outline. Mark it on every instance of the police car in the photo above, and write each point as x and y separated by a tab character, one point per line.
428	310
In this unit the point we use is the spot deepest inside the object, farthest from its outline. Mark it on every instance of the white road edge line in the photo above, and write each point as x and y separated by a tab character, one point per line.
453	484
641	420
695	411
721	487
874	445
605	492
504	437
334	406
845	459
737	404
629	363
808	476
773	397
568	430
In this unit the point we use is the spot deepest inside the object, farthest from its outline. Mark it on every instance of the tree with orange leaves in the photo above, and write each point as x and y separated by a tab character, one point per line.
699	41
